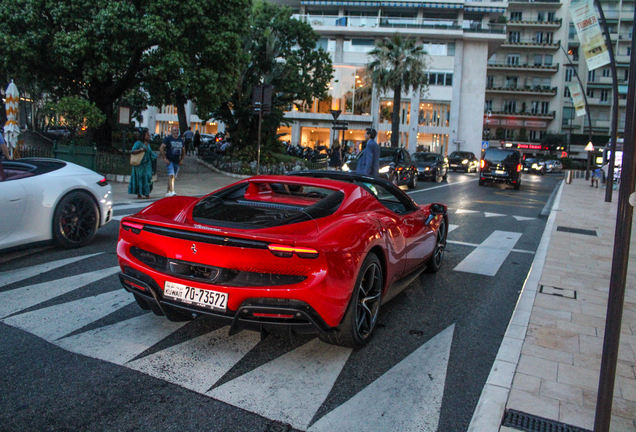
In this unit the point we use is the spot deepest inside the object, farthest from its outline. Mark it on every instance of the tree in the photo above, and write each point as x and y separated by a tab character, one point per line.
282	52
76	114
102	49
398	64
552	141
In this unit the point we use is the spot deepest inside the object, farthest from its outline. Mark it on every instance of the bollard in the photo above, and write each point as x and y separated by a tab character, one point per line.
568	177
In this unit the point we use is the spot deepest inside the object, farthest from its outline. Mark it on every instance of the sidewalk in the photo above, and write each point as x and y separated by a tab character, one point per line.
193	179
549	362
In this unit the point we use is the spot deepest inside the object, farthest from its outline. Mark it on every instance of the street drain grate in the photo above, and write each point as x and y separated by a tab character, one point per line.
577	231
529	423
278	427
559	292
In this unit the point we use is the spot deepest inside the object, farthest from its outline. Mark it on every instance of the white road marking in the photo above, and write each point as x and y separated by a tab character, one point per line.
452	227
490	255
493	214
13	276
121	342
22	298
407	398
57	321
441	186
461	243
523	218
199	363
290	388
463	211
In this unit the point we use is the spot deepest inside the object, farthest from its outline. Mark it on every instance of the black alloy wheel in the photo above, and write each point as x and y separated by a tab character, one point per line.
394	179
75	220
413	181
359	321
435	262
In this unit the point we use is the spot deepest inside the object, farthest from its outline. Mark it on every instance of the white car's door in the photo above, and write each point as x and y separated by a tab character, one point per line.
13	201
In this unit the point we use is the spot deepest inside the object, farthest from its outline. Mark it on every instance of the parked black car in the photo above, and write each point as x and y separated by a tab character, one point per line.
534	165
395	165
463	161
431	166
501	165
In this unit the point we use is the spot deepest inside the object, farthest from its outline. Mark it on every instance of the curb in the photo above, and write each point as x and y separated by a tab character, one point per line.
215	169
119	178
494	397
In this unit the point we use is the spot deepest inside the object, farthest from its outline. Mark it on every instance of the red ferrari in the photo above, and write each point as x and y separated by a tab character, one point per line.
313	251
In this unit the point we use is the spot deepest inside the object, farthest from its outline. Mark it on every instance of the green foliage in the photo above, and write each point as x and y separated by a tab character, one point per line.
500	133
523	134
398	64
283	54
76	113
103	49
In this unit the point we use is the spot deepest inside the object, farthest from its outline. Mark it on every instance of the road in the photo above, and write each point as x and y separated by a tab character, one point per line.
78	353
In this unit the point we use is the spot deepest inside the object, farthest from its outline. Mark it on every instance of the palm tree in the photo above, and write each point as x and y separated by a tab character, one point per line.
398	64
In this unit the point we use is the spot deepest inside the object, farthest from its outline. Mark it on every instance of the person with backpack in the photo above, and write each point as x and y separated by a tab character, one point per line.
172	152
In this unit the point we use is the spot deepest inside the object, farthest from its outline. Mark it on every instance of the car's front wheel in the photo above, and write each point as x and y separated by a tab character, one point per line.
359	321
413	181
75	220
438	177
435	261
394	179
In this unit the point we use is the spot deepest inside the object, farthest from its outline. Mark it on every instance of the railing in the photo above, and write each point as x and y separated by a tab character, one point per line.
373	22
532	42
33	152
555	22
552	68
232	165
480	27
534	1
550	114
529	89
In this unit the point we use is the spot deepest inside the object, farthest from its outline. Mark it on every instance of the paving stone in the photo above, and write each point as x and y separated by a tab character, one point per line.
577	328
538	367
576	415
547	353
620	424
628	388
595	310
624	408
527	383
578	376
533	404
562	392
554	338
557	303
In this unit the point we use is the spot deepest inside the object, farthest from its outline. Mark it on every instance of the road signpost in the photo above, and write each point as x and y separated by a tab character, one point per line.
261	104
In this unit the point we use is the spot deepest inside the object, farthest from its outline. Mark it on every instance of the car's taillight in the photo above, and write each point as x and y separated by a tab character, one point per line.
482	164
103	182
288	251
131	226
519	167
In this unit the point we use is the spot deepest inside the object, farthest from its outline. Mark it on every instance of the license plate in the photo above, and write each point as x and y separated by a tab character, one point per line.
195	296
500	172
453	165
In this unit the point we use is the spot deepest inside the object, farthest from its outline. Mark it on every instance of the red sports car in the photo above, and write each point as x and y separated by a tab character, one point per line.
313	251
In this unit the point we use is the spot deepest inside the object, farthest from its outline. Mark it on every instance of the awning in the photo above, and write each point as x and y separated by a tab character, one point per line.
484	9
426	5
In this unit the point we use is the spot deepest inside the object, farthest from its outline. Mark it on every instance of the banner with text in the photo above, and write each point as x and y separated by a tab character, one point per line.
589	32
577	97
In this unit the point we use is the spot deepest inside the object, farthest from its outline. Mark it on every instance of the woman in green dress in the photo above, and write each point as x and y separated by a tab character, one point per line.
141	178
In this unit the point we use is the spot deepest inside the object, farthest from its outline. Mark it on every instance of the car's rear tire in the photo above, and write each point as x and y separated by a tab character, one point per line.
438	177
75	220
435	261
482	182
517	185
359	321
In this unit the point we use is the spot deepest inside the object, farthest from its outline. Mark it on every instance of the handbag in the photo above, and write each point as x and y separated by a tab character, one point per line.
135	159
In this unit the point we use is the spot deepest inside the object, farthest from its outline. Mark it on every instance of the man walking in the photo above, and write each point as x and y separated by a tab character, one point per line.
172	153
188	136
369	162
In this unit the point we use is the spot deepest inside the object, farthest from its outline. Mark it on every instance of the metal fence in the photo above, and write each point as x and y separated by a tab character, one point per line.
234	166
105	163
32	152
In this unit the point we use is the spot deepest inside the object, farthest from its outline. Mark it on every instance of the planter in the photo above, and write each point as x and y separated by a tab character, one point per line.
80	155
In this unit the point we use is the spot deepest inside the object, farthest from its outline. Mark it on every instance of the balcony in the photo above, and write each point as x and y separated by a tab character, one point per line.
543	24
522	114
531	43
378	22
524	67
553	2
535	90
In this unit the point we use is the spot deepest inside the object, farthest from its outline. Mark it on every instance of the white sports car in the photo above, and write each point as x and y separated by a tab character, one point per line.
50	199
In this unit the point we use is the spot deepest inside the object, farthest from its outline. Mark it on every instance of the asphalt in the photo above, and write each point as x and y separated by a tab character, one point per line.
548	364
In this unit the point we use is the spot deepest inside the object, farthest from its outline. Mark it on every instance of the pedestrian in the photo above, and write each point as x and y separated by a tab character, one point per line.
4	150
599	173
187	136
172	153
335	160
197	142
141	179
369	161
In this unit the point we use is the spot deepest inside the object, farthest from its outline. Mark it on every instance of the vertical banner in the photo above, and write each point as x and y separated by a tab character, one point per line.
577	97
589	32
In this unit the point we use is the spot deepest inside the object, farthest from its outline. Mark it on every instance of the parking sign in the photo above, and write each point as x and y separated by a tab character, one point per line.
484	145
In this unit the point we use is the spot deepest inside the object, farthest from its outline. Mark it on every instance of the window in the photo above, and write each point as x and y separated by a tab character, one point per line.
538	60
540	16
488	105
590	93
510	134
513	59
449	79
511	82
440	78
514	37
358	45
510	106
629	51
572	31
516	15
534	107
569	73
490	80
604	95
547	60
591	76
545	107
534	135
551	17
626	74
606	72
435	48
566	92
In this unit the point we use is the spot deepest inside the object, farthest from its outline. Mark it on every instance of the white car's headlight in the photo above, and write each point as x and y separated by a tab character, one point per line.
427	168
384	169
535	166
345	167
465	161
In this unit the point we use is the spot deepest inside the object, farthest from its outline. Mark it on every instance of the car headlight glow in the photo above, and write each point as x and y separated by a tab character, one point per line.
427	168
345	167
465	161
384	169
535	166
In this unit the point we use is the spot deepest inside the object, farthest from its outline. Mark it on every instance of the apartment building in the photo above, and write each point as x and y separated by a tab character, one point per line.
526	90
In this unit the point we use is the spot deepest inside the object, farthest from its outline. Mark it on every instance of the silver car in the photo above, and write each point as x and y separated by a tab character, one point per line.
553	166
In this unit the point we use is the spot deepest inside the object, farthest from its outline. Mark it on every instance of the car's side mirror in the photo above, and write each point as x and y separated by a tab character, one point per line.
437	209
